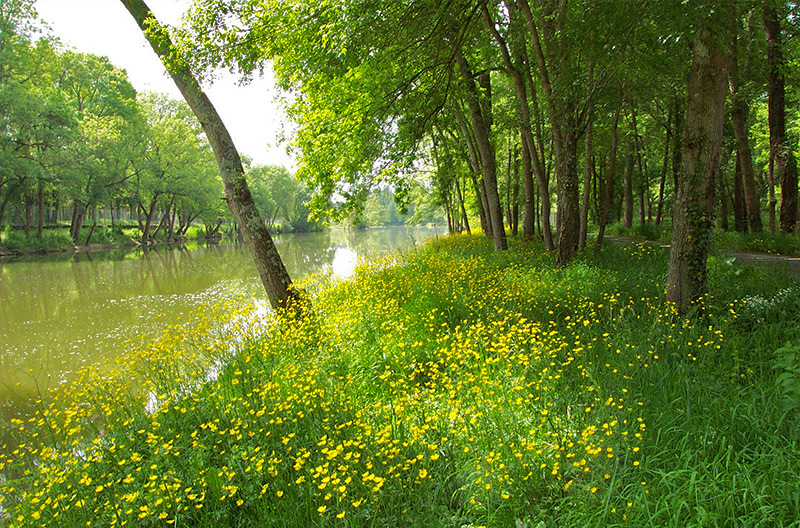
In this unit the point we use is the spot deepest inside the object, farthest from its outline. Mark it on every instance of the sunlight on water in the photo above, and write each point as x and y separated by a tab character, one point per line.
59	313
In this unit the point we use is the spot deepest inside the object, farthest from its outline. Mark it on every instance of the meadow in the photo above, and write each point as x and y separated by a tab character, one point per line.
447	386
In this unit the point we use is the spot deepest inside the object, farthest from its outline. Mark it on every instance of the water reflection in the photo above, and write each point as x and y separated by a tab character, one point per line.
59	313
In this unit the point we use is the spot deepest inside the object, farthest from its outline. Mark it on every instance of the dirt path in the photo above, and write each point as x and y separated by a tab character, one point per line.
744	258
763	259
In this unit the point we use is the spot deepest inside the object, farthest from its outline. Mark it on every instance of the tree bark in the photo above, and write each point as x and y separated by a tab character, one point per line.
587	180
773	202
608	190
463	209
739	203
529	216
482	124
641	165
695	202
149	212
780	148
561	107
515	195
628	191
664	167
526	130
740	112
475	168
273	274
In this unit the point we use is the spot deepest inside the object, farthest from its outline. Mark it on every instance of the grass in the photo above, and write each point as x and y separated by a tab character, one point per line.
771	243
449	386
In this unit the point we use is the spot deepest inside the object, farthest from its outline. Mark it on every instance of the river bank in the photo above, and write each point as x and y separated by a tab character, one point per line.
447	386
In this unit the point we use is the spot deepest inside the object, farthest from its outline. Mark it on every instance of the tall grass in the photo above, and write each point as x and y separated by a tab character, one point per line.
448	386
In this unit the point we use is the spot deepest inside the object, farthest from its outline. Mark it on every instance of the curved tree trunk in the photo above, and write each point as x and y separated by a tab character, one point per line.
533	160
271	270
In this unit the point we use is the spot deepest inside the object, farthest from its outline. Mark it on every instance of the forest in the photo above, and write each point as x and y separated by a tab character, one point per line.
85	158
564	117
521	371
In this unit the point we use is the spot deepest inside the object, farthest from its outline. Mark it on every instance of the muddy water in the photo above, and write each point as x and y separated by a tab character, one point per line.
61	312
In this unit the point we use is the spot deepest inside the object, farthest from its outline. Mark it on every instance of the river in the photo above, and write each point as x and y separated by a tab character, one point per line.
61	312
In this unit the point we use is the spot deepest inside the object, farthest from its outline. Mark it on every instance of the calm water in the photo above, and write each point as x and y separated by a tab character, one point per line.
61	312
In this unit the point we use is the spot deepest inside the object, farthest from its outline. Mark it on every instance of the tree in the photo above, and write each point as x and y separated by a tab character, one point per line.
696	200
272	272
514	66
741	98
782	159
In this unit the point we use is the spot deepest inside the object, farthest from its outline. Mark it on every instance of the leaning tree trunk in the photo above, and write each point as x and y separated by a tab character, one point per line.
481	120
274	276
532	161
695	201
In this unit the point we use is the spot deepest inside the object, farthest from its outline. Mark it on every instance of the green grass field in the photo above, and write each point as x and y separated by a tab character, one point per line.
447	386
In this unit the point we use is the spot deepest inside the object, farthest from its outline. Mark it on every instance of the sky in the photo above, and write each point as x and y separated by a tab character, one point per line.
104	27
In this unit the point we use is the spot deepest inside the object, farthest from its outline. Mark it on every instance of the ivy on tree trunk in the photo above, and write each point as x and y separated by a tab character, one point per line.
696	199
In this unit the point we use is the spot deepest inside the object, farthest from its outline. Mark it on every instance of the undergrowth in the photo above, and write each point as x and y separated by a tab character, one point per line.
447	386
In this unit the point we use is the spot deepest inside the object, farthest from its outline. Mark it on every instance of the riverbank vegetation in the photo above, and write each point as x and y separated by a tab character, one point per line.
542	117
447	386
88	160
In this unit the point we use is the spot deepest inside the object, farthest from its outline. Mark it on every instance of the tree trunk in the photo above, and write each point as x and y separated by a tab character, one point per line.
561	105
78	214
739	204
664	167
677	148
628	191
587	180
773	202
475	169
529	215
779	145
608	188
695	201
464	217
91	233
740	112
642	183
148	220
275	278
480	114
40	212
526	131
515	196
164	218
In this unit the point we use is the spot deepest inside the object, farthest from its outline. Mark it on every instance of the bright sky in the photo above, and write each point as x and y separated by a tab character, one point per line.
104	27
